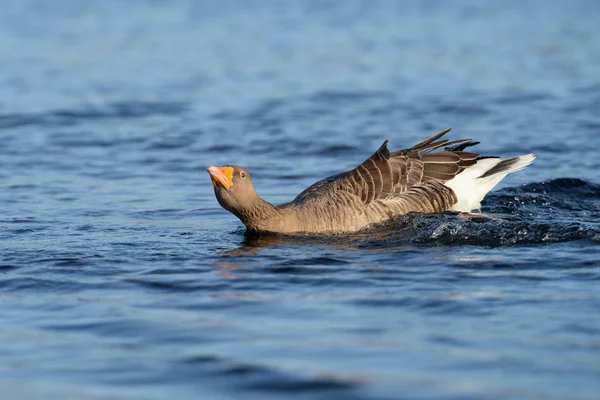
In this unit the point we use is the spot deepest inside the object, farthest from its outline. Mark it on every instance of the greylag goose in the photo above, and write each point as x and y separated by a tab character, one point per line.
430	177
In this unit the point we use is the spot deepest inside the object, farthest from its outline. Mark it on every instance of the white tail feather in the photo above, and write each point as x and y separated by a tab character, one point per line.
471	185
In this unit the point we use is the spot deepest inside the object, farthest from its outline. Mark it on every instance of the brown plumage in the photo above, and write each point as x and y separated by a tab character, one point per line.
387	184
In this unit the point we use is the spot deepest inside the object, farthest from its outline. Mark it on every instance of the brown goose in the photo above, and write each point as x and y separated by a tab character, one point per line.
424	178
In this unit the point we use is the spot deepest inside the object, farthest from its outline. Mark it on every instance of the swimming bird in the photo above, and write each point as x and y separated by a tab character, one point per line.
433	176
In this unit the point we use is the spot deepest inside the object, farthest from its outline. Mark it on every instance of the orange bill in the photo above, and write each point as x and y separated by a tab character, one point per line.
221	175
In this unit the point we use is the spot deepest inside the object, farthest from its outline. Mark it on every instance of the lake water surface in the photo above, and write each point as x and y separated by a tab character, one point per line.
122	278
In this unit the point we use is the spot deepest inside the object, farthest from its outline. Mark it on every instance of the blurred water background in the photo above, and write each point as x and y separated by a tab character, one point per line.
122	278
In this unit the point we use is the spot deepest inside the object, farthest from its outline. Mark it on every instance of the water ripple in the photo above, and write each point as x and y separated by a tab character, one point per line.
131	109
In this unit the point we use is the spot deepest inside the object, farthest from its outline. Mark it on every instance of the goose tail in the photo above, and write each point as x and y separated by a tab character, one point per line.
472	184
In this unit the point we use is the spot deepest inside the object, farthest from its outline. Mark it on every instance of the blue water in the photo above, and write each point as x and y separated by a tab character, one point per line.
122	278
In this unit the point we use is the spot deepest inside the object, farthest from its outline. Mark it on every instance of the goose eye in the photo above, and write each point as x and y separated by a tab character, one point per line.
243	175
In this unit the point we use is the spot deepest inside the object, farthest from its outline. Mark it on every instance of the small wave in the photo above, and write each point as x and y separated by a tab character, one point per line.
559	210
521	98
451	229
265	379
314	261
172	285
131	109
571	186
337	150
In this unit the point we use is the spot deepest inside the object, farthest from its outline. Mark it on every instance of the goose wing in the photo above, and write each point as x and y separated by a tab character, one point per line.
387	175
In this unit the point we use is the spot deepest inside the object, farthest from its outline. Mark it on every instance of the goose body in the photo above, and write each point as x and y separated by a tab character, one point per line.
430	177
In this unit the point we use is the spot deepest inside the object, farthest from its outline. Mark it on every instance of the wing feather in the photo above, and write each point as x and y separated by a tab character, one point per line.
391	175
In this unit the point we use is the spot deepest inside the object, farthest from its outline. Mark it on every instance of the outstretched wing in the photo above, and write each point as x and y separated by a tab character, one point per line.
388	174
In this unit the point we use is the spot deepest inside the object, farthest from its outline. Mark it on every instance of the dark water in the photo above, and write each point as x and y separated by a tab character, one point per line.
122	278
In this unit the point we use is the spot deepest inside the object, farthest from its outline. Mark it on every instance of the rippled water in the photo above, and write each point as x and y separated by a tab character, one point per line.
122	278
